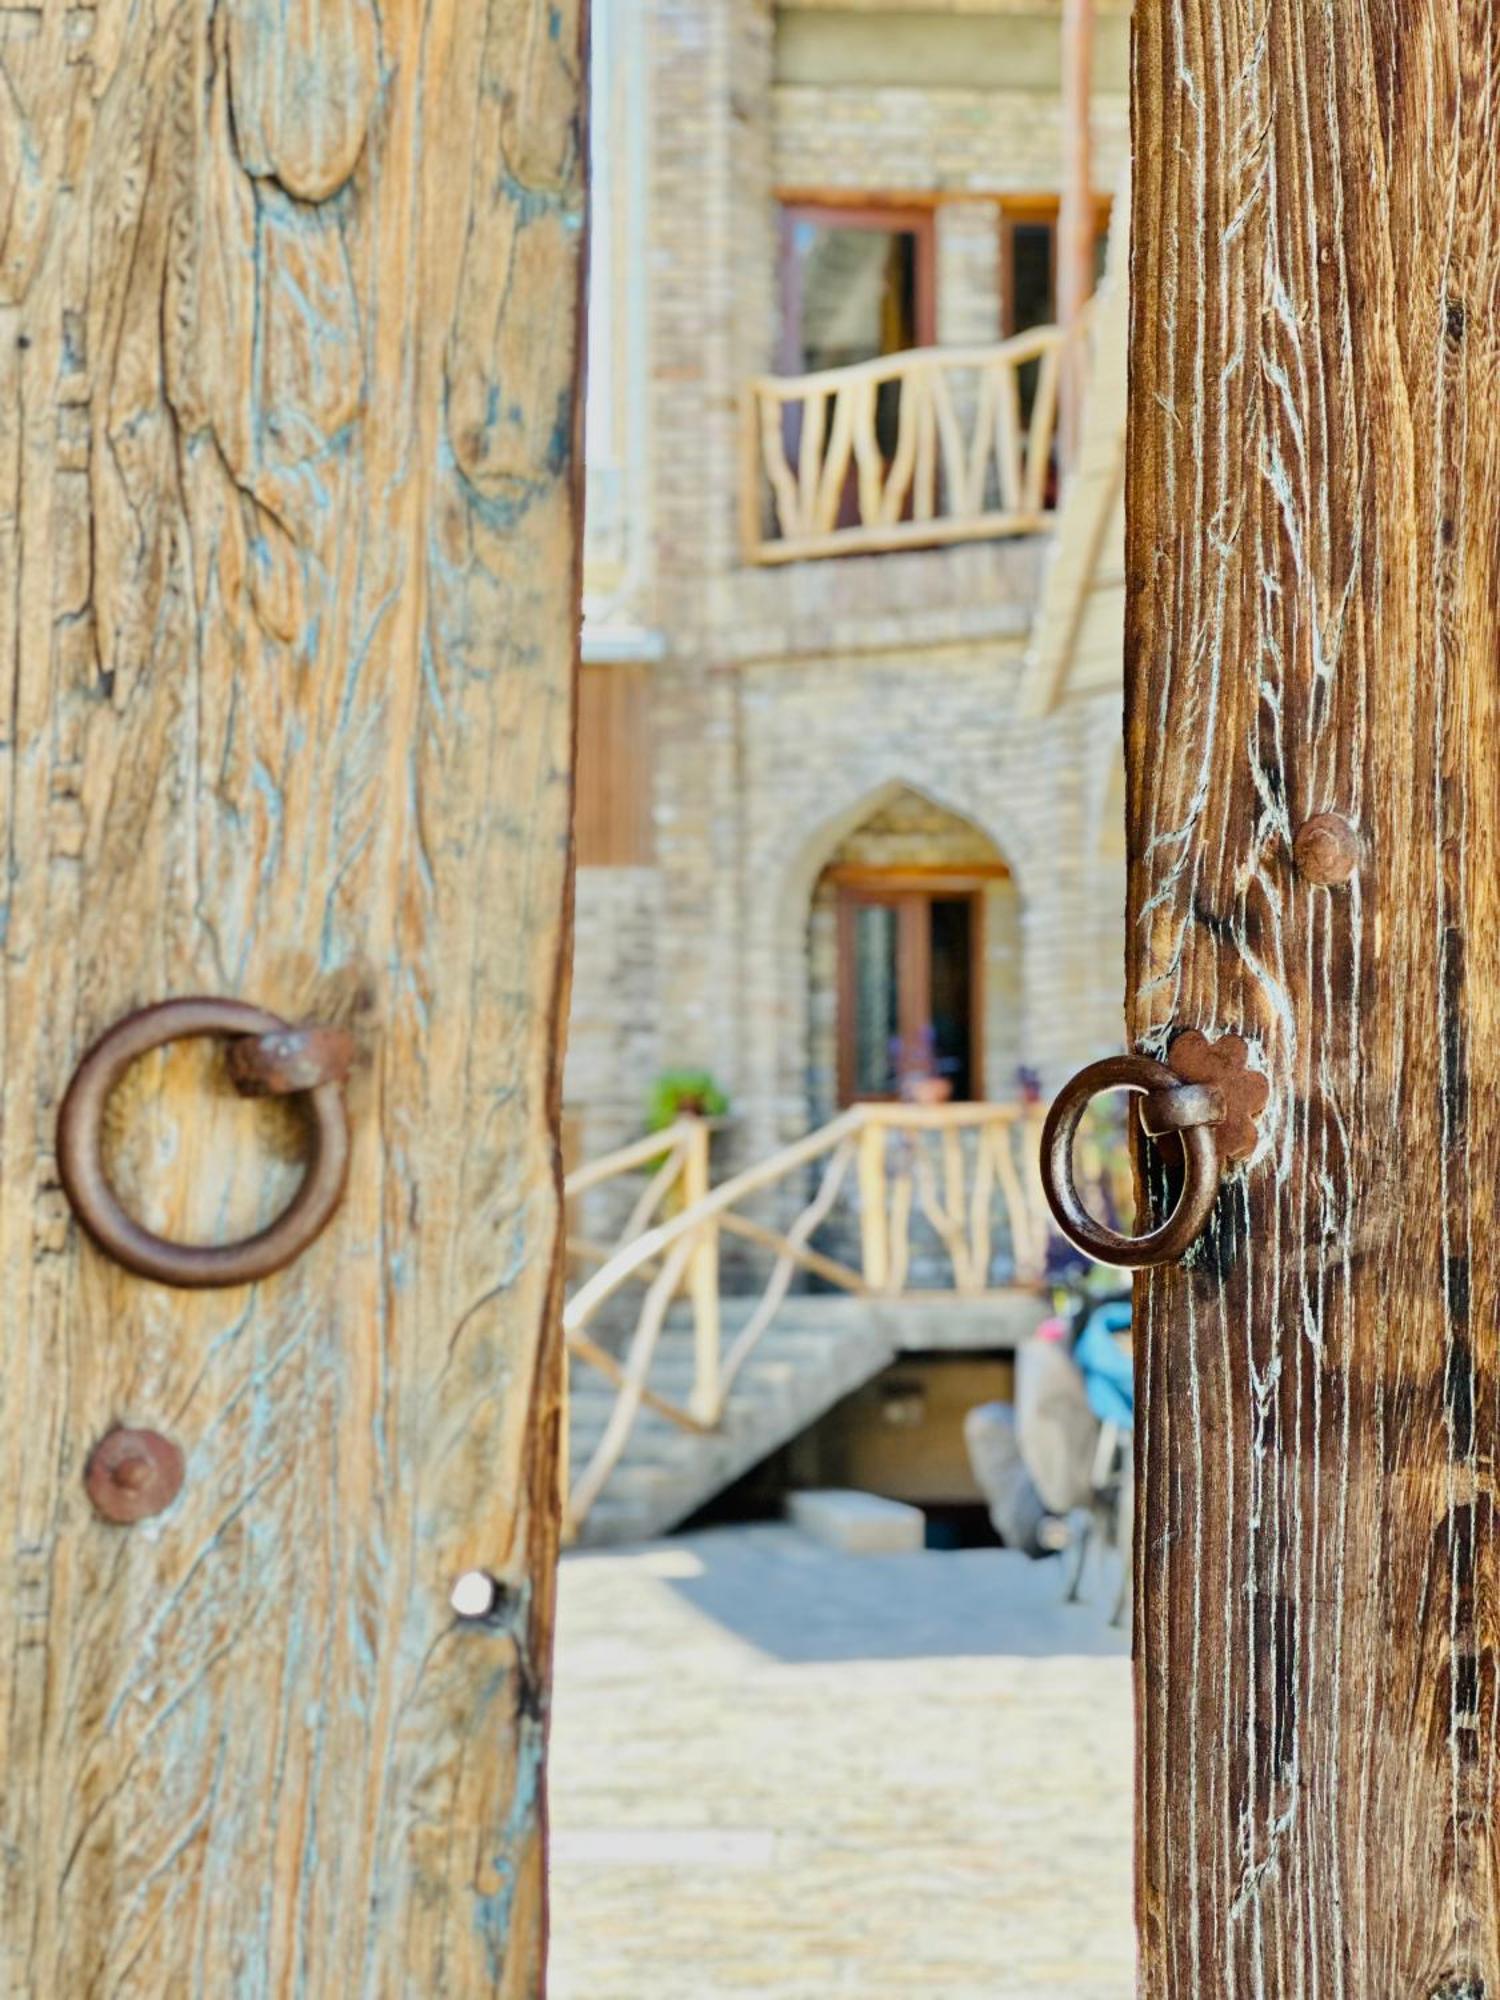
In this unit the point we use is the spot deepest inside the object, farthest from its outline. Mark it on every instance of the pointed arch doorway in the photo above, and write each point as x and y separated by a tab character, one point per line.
913	960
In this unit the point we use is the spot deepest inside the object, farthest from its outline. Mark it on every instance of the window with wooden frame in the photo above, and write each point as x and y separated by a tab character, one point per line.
614	824
911	982
1028	258
858	280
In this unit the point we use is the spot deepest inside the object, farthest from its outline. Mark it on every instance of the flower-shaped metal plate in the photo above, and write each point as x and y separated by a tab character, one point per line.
1224	1066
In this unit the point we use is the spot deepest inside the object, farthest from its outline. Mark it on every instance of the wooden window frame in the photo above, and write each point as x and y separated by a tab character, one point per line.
1028	209
863	211
912	890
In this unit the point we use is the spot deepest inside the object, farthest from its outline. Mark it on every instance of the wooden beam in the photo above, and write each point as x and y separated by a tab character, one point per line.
703	1274
836	1273
1313	628
1078	220
604	1363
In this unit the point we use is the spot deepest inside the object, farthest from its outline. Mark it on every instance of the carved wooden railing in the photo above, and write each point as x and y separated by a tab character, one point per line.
958	461
930	1192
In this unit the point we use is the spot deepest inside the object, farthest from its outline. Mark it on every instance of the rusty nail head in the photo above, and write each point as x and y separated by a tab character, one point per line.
290	1060
1326	850
132	1475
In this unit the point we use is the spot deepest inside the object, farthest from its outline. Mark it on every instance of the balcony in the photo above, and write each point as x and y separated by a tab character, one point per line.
934	446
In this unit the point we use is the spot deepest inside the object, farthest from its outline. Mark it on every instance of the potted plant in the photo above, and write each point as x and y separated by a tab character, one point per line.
683	1093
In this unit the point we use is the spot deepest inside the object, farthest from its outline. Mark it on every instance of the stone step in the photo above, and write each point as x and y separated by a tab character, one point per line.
658	1485
736	1307
613	1522
674	1365
819	1349
634	1480
858	1524
756	1389
660	1455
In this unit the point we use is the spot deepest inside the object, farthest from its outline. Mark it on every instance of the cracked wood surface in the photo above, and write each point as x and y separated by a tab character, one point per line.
1314	627
288	542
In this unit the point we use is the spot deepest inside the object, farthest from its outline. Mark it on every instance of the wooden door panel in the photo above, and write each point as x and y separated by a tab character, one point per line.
1314	500
910	910
288	545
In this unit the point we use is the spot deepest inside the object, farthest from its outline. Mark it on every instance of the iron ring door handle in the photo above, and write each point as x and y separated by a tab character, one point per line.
1191	1110
194	1266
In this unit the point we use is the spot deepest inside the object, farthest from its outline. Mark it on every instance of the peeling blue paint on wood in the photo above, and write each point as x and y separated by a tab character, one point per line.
311	294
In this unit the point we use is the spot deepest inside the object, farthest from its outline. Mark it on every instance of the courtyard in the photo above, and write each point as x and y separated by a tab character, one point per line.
781	1770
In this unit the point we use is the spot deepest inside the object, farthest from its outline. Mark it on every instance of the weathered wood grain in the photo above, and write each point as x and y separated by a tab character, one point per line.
288	539
1314	627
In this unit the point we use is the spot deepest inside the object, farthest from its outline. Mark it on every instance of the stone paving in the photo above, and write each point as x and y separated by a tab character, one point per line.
784	1771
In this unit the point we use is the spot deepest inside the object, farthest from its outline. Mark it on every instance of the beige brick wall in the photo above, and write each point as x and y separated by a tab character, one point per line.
968	273
789	701
705	960
934	141
614	1029
821	742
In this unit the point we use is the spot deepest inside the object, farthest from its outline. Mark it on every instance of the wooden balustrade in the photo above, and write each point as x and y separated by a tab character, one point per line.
909	450
939	1191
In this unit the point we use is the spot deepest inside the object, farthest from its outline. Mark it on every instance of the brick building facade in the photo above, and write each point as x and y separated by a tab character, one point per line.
749	732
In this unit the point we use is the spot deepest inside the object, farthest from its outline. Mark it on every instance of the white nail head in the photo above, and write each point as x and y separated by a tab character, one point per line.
475	1594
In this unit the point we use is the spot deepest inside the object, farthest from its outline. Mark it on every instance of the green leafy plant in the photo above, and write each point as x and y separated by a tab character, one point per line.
683	1093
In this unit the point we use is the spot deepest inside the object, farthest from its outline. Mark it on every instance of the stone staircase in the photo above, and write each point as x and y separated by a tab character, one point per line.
819	1349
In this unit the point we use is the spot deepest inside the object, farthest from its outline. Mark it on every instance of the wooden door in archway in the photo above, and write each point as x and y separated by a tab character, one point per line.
911	996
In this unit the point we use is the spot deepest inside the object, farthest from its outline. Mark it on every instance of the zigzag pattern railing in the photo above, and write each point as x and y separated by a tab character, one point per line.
947	1190
964	462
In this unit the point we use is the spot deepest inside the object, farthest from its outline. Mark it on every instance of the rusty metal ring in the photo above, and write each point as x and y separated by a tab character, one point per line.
1182	1228
80	1158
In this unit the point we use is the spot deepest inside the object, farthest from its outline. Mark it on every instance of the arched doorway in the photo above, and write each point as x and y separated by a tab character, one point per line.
913	960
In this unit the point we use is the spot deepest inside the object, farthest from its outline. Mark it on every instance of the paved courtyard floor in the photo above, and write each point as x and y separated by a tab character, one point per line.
782	1771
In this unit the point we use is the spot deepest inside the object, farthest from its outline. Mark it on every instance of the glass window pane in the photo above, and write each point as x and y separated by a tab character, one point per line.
877	999
1033	297
1032	249
857	290
952	944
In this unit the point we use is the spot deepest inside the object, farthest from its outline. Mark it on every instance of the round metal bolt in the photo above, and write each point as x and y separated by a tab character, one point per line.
1326	850
132	1475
